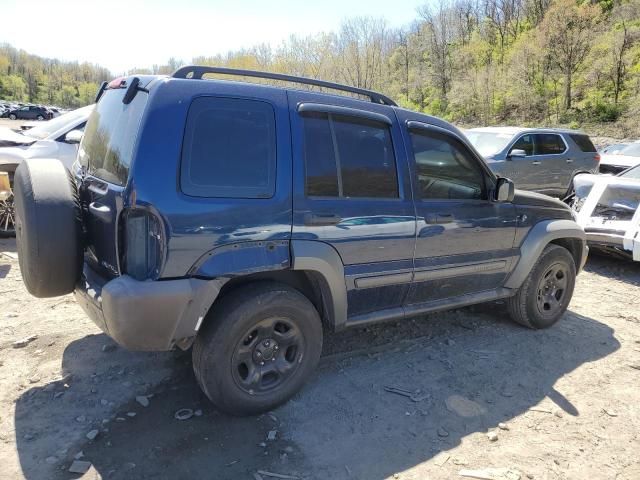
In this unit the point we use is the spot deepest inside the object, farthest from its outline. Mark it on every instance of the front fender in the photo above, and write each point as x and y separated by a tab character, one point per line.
539	237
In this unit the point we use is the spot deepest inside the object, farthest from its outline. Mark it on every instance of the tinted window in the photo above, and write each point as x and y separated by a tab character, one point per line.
319	157
549	144
229	149
584	142
359	163
525	142
106	149
445	168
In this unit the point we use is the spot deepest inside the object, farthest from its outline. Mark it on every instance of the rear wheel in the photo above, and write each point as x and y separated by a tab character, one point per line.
545	295
13	117
40	117
259	345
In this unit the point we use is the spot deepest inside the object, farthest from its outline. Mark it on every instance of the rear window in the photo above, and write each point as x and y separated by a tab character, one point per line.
229	149
584	142
106	149
549	144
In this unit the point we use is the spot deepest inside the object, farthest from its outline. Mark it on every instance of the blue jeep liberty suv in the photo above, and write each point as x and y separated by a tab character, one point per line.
239	217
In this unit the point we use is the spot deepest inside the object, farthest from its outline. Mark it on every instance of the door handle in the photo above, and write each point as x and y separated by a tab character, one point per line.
439	218
536	162
321	219
569	160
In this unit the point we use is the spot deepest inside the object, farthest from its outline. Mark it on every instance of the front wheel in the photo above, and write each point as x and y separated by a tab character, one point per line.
259	345
545	295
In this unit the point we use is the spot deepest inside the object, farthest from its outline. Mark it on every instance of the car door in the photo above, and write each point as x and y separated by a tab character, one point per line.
550	155
352	191
524	170
465	241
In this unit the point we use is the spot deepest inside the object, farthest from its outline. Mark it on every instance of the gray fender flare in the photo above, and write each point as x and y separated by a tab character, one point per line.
321	258
539	237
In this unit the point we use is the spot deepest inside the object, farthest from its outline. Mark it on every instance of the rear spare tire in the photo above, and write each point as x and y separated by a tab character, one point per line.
48	227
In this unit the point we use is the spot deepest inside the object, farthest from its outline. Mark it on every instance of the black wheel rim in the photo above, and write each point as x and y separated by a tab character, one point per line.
552	290
7	216
267	356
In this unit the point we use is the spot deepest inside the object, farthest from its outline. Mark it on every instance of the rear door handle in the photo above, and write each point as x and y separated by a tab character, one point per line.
536	162
321	219
439	218
569	160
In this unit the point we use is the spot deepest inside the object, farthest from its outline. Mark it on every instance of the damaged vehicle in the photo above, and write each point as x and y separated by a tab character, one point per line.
623	159
607	208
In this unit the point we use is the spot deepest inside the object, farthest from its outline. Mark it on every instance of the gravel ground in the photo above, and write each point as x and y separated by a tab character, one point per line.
515	404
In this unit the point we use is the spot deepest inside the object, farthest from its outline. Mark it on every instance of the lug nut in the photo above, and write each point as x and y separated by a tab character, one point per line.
276	347
258	354
266	343
261	363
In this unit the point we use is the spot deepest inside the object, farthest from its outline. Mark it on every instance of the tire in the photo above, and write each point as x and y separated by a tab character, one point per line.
245	338
13	117
48	227
552	277
40	118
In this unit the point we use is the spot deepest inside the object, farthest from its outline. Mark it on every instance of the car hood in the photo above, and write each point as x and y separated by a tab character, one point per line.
9	138
39	149
523	197
619	160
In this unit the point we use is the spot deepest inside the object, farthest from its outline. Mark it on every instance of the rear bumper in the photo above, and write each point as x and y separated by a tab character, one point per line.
148	316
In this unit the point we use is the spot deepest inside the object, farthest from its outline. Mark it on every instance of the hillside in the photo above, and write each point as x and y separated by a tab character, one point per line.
473	62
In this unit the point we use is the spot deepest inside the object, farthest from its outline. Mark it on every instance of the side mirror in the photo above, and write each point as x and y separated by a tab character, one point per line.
516	153
505	190
74	136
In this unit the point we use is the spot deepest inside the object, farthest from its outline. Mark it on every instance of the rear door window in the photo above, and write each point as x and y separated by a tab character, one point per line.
229	149
549	144
348	157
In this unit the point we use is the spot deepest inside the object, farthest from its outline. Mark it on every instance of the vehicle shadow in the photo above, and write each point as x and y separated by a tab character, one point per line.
610	266
8	245
473	369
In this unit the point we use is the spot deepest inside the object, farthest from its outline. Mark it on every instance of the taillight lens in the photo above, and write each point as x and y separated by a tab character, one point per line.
143	245
598	157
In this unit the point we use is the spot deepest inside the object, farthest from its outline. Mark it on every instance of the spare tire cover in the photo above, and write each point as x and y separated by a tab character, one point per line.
48	227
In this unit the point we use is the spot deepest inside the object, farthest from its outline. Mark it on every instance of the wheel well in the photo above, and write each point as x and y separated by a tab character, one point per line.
310	284
574	246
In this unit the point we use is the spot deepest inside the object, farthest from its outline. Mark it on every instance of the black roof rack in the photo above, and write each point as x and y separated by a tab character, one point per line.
197	71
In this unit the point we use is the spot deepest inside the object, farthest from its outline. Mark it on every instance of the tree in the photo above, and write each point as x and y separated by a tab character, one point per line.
566	30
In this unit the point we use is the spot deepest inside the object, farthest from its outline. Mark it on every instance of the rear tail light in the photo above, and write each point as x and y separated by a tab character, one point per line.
143	243
597	157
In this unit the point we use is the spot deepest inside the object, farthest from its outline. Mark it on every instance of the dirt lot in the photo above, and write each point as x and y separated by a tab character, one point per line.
562	402
12	124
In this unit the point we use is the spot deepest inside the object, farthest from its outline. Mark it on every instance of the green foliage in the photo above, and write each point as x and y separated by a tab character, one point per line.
29	78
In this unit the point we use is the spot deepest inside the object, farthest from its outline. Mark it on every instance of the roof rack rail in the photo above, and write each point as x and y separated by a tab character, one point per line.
197	71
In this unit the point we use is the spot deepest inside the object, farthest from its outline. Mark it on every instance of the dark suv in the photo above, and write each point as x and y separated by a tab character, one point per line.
29	112
239	218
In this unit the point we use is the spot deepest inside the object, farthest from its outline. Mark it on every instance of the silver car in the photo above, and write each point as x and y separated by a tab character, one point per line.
541	160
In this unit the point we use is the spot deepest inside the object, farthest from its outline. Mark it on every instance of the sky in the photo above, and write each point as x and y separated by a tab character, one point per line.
122	35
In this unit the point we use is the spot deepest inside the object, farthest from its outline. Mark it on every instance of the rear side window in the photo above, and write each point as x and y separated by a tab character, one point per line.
584	142
229	149
348	157
549	144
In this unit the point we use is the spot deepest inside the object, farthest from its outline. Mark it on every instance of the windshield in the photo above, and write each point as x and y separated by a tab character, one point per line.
632	150
110	135
488	143
46	129
633	173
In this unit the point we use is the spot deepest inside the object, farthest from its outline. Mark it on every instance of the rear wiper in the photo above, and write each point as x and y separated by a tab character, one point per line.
132	91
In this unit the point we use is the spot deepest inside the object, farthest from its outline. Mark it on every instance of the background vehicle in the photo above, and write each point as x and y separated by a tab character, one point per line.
57	138
607	208
238	218
31	112
625	158
541	160
613	149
